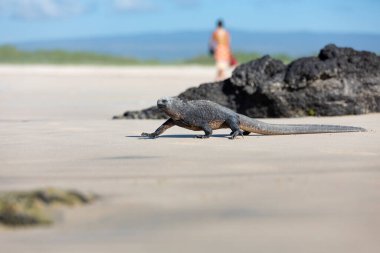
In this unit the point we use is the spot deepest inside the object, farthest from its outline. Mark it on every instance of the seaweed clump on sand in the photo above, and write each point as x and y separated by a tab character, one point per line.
26	208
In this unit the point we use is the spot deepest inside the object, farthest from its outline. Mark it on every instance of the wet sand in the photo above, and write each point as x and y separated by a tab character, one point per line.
301	193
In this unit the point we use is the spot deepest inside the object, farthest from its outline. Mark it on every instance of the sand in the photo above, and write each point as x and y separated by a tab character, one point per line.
301	193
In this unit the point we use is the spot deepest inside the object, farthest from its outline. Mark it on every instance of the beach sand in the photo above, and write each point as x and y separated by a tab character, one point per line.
300	193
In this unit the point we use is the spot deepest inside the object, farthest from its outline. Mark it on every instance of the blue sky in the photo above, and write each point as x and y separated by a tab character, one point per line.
28	20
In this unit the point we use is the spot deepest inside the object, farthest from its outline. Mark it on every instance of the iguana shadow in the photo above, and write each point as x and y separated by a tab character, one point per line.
176	136
181	136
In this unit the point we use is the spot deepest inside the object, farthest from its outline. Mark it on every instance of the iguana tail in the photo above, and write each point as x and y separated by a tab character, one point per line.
255	126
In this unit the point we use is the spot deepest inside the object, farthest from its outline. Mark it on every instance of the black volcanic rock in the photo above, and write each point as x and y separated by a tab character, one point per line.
339	81
266	71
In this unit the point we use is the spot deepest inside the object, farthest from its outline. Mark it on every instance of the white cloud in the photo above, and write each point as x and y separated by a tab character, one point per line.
134	5
41	9
151	5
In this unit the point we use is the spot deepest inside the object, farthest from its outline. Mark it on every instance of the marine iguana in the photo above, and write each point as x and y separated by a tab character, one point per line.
207	116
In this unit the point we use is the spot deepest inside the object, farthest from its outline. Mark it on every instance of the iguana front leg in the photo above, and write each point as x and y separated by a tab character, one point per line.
208	132
168	124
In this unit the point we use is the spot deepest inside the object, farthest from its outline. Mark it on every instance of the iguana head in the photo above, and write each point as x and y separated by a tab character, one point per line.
171	106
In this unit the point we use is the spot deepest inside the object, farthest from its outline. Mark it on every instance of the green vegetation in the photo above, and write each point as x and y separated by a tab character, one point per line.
32	208
11	55
311	112
241	57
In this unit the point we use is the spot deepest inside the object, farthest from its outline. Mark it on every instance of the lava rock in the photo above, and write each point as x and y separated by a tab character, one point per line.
339	81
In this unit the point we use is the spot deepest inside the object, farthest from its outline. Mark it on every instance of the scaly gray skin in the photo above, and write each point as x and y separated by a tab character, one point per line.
207	116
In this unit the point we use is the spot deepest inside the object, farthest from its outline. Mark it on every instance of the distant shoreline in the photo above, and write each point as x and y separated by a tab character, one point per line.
12	55
148	70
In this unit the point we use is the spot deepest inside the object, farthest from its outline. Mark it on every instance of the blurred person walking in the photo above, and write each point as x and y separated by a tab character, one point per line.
221	50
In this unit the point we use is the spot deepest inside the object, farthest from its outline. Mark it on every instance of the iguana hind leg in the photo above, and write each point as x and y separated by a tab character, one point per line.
234	125
245	133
